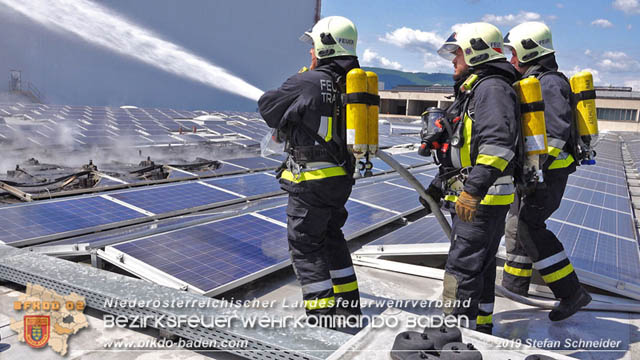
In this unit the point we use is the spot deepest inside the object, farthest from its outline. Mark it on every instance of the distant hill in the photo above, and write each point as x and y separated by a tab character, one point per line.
393	78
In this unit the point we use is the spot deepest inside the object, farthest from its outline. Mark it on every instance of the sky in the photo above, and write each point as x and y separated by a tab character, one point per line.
76	52
601	36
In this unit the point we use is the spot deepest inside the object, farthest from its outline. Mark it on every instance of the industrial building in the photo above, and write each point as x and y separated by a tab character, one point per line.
618	108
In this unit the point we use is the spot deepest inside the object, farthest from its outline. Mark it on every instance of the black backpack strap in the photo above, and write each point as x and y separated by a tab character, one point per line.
341	159
573	100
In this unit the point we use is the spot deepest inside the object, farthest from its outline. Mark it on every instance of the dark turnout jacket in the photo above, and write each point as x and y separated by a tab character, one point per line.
305	98
490	130
303	106
558	115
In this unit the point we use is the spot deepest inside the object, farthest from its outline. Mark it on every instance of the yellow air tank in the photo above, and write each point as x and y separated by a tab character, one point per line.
586	119
534	130
372	113
357	113
532	116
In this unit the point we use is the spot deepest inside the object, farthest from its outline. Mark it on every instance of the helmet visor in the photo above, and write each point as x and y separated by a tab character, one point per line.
448	51
306	37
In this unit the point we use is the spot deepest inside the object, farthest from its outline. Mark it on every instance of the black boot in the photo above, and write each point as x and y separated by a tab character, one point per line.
570	305
349	321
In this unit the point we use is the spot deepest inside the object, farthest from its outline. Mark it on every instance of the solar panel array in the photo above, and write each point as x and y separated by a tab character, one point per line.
263	238
20	227
595	221
78	126
108	126
213	254
22	224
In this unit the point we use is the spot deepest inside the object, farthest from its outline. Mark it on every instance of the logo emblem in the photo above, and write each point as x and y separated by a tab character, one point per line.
36	330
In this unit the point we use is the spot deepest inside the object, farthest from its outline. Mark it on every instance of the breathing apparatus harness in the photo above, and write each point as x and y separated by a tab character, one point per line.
442	130
300	156
579	146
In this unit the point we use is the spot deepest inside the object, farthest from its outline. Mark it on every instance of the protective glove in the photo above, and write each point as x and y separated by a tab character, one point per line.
435	193
466	206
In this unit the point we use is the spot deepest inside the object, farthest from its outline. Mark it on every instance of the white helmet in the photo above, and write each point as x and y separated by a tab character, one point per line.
332	36
480	42
530	40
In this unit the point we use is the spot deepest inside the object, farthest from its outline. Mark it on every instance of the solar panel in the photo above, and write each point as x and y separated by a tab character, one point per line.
598	198
255	163
598	253
388	196
596	218
29	222
220	254
277	213
598	176
600	186
426	230
388	141
379	165
169	198
424	177
248	185
412	159
209	256
361	217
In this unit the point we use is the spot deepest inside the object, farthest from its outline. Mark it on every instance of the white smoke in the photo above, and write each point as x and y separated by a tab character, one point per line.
104	27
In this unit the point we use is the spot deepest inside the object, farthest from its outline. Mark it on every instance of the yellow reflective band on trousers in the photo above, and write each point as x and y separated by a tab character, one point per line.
345	287
561	163
465	151
517	272
558	274
553	151
323	303
484	319
488	199
314	174
494	161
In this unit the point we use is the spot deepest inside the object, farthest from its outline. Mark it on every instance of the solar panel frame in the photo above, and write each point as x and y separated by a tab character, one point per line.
426	227
174	197
249	184
65	211
388	196
177	266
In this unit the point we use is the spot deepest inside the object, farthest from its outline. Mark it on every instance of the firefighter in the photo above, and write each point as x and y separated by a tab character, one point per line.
319	169
475	176
529	243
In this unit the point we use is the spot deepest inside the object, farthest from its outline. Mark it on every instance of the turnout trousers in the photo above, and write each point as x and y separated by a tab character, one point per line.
531	245
321	260
470	271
